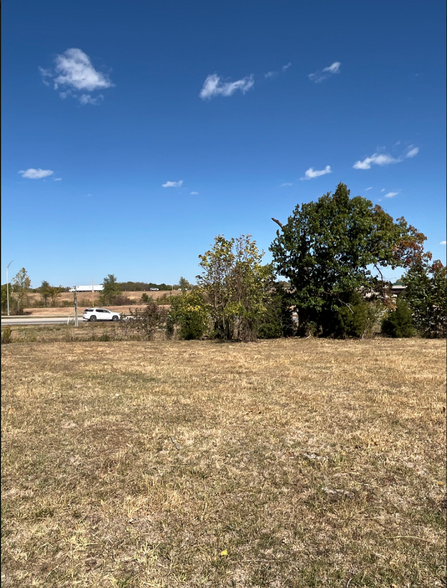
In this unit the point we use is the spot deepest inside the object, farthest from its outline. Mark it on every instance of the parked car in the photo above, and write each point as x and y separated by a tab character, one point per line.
100	314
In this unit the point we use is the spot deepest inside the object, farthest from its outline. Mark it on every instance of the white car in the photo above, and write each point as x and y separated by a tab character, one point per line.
100	314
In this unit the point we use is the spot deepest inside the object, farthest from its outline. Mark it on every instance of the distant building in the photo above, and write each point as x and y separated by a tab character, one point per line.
89	288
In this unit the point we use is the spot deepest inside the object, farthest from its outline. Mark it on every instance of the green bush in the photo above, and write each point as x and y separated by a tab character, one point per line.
6	335
399	322
354	317
188	312
277	319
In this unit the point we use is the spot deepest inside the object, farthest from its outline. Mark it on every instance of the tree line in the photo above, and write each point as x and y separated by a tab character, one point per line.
325	279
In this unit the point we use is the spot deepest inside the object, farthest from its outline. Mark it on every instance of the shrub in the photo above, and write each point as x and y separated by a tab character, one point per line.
277	319
6	335
399	322
145	322
189	312
123	301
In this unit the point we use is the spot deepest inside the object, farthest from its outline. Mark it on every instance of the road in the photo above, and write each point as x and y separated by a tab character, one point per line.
42	320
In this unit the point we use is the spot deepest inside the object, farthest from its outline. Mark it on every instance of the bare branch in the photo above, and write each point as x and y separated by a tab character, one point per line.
275	220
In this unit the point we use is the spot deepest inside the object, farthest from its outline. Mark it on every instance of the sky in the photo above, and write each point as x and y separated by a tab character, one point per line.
135	132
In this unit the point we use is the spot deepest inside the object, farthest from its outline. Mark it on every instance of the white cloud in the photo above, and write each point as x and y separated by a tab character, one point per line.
319	76
382	190
370	188
35	174
315	173
286	184
213	86
73	71
57	179
45	73
443	243
274	74
172	184
374	159
76	71
385	159
87	99
412	152
194	193
334	68
391	194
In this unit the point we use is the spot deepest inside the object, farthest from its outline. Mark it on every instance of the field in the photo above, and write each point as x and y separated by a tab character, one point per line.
86	299
286	463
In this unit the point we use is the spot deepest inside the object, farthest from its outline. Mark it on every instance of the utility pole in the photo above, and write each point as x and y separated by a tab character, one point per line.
76	306
7	286
93	294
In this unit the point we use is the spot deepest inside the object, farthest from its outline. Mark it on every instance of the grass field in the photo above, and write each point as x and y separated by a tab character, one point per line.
286	463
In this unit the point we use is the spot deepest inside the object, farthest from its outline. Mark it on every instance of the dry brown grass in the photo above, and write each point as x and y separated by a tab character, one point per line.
86	296
288	463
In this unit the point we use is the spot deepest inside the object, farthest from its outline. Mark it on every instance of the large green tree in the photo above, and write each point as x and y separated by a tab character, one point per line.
111	290
426	293
338	245
234	284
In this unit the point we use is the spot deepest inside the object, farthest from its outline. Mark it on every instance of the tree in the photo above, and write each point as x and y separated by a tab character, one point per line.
234	284
184	285
4	298
21	284
54	293
111	290
339	245
50	293
45	291
426	294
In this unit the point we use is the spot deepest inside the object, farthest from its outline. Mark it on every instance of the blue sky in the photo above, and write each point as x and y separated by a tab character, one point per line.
241	109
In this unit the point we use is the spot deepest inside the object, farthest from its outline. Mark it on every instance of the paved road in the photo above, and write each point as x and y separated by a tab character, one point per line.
43	320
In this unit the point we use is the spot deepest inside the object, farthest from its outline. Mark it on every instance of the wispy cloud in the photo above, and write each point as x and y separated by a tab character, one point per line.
57	179
374	159
274	74
443	243
321	75
73	72
214	86
194	193
36	174
286	184
382	159
412	152
315	173
370	188
391	194
172	184
87	99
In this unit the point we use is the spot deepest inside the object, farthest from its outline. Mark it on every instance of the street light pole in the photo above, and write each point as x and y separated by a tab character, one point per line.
7	286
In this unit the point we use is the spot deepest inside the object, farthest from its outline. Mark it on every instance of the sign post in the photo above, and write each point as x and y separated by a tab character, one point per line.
76	306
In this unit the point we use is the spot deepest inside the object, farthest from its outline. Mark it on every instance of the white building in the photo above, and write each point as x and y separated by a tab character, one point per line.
89	288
